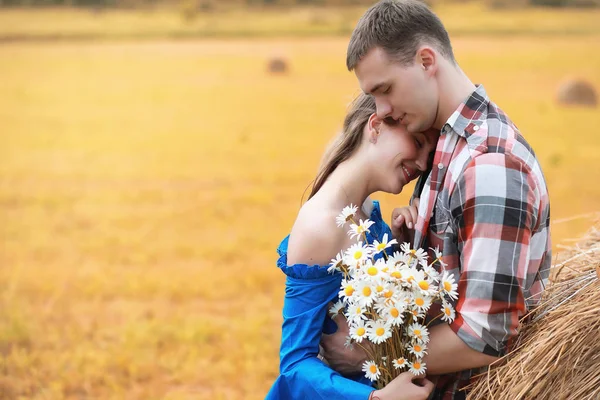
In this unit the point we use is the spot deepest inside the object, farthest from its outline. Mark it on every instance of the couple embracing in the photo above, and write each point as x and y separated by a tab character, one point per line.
480	199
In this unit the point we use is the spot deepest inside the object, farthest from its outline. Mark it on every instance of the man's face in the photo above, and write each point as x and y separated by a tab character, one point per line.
404	93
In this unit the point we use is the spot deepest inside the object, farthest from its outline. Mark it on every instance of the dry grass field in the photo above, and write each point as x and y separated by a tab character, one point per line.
144	188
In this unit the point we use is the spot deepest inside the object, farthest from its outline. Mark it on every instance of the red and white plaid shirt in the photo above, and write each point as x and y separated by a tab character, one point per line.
485	206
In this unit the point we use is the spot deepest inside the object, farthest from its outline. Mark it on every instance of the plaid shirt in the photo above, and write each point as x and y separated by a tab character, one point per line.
485	205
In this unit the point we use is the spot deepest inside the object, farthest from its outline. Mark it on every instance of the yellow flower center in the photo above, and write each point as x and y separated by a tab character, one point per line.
394	312
358	311
358	255
360	229
366	291
419	301
349	290
447	286
388	294
379	331
373	369
400	361
372	271
424	285
386	269
417	365
360	331
417	333
410	279
417	348
415	313
447	311
397	275
380	246
379	288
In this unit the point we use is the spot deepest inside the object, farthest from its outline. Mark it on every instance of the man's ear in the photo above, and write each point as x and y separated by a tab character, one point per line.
427	59
373	126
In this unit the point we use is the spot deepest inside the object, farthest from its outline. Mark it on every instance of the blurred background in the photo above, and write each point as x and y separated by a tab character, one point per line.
153	154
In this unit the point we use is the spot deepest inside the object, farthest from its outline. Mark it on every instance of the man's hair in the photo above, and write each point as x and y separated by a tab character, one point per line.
399	27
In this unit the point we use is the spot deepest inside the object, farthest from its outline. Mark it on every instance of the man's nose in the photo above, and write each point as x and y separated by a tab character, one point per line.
383	109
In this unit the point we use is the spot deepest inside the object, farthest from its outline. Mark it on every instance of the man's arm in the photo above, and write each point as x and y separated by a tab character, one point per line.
448	353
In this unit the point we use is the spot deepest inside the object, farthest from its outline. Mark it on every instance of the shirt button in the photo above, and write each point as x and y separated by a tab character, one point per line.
475	128
440	166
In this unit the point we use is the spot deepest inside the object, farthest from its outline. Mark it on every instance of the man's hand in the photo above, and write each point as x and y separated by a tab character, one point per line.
405	386
404	220
340	358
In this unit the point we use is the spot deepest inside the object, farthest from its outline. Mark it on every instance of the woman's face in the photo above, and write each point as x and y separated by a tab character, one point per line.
399	156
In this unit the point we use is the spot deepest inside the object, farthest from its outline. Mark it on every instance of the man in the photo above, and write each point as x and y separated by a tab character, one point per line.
483	203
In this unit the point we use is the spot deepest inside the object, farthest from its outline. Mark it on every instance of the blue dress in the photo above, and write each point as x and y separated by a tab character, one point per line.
309	289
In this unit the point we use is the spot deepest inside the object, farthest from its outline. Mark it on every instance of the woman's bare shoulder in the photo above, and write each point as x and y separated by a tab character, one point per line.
315	238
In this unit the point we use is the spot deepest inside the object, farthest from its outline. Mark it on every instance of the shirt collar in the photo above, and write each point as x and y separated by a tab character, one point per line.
469	115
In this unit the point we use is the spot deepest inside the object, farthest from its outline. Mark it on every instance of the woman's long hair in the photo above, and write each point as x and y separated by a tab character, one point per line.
346	143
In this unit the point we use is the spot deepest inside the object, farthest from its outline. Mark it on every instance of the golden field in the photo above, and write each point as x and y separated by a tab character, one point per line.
144	188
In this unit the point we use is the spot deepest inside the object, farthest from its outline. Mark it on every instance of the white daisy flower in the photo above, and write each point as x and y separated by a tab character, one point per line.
398	259
414	254
348	289
424	284
448	285
419	332
366	293
347	214
417	314
400	363
384	244
355	313
336	309
371	370
336	263
417	368
356	231
358	331
438	256
358	253
417	349
432	273
378	331
393	314
374	270
449	313
408	275
421	302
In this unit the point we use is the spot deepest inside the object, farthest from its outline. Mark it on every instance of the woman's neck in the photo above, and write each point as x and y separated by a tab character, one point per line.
348	184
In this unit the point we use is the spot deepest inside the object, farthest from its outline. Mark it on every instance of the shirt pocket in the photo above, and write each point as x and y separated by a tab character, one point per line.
441	219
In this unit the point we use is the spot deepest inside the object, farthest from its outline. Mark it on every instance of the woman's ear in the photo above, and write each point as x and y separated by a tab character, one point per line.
373	126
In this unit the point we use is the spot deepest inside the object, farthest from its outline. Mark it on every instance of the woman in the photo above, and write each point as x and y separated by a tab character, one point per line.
370	155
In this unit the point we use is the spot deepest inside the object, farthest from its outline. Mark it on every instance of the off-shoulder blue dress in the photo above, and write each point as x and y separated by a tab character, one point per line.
309	289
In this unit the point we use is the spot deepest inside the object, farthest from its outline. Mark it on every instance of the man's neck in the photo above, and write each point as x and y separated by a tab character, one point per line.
455	88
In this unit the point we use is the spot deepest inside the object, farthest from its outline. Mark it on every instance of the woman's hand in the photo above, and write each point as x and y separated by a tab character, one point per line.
404	220
405	386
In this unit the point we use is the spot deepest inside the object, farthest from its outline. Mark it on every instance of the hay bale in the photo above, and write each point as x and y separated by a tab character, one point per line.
277	65
557	353
577	92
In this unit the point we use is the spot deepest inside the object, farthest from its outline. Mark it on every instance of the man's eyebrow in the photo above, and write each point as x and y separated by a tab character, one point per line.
375	88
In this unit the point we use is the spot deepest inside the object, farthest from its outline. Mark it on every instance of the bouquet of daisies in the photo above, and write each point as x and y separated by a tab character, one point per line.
385	298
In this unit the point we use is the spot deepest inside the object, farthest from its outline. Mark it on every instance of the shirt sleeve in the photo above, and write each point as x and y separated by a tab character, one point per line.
302	374
495	206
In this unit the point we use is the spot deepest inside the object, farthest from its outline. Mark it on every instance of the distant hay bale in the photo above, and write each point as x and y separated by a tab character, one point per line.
277	65
557	355
577	92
